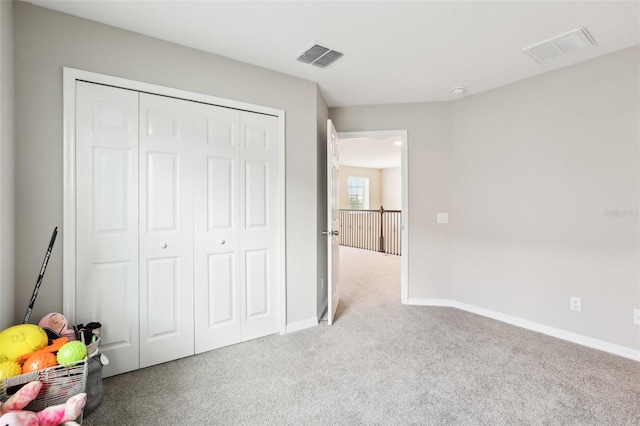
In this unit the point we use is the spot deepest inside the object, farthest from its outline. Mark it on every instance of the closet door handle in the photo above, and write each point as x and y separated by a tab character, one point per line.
163	245
222	242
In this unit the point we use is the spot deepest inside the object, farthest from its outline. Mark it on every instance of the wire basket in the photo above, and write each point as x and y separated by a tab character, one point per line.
59	383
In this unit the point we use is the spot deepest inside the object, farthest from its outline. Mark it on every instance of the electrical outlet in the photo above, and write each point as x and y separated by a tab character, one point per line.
636	316
575	303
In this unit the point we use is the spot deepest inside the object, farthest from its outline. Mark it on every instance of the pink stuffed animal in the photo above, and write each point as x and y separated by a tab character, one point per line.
50	416
20	399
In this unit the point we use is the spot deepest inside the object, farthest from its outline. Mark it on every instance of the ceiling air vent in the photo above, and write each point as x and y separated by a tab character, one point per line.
320	56
560	46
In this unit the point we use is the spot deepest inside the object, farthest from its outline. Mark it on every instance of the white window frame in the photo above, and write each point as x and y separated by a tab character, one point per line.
365	189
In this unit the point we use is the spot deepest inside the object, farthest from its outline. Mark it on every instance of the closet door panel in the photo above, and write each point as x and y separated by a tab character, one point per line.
221	284
216	228
162	190
257	280
221	181
162	289
166	229
107	220
111	185
259	232
256	194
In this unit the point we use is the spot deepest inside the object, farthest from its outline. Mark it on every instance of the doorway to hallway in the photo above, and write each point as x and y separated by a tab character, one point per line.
373	208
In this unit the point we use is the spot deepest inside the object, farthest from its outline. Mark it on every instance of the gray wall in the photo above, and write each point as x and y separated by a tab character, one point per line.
428	128
528	172
46	41
536	166
7	280
391	188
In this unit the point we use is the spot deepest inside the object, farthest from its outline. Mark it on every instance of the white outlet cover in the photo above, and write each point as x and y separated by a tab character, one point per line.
442	218
575	303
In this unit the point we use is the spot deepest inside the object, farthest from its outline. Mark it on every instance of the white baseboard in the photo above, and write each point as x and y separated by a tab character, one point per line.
432	302
534	326
301	325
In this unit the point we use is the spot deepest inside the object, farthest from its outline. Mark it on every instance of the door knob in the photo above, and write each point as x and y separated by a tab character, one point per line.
222	242
163	245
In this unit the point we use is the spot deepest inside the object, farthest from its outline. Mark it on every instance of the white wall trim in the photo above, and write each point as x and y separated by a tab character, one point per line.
70	75
302	325
283	222
432	302
69	195
404	173
590	342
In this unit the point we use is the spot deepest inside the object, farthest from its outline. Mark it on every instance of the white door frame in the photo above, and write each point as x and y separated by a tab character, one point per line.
70	75
404	170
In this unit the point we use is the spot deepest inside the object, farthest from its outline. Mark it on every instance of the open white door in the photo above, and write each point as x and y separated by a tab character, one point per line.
333	221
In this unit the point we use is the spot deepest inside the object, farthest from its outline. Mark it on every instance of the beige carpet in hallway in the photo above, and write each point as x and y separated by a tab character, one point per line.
368	280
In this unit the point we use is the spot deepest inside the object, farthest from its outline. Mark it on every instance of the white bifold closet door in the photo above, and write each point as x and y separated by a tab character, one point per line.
177	224
236	227
107	220
166	228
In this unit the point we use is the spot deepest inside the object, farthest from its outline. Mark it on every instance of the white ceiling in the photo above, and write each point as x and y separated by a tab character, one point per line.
380	153
395	52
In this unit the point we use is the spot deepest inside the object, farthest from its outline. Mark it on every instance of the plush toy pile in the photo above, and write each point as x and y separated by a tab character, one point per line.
63	414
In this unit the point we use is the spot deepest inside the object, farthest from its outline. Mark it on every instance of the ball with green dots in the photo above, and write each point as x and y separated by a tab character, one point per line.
71	352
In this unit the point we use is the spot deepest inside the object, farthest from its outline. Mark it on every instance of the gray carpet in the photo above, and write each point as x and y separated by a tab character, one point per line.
383	363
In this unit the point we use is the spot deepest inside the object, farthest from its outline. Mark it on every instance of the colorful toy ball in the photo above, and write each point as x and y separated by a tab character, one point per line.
9	369
55	322
39	361
71	352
